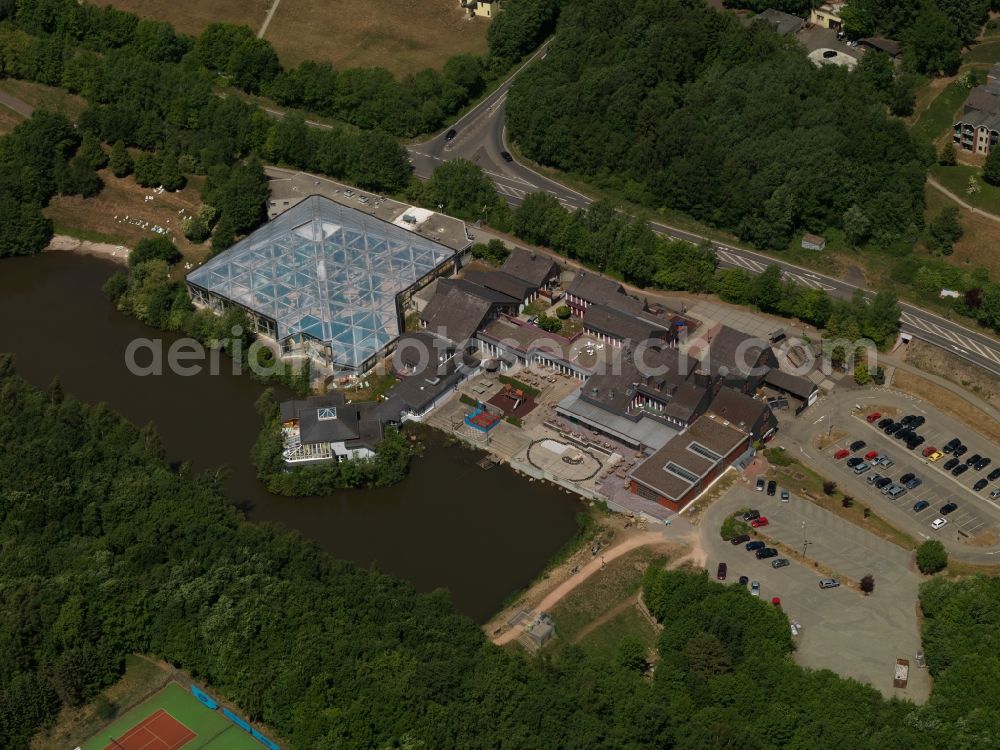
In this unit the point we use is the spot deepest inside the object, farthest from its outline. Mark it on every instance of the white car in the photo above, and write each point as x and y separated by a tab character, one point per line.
938	523
755	588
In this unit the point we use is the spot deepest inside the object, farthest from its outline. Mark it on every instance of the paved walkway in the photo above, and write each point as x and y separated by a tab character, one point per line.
267	20
933	182
12	102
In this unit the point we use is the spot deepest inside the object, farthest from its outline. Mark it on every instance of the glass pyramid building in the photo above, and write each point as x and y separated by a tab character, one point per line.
323	272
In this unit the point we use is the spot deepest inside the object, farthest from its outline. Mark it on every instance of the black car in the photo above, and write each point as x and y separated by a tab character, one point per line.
882	482
979	485
908	419
914	483
744	580
740	539
772	486
885	422
948	508
755	545
918	421
959	470
450	135
751	515
950	464
982	463
763	554
974	459
920	505
904	434
951	445
852	462
915	442
505	155
994	475
893	428
906	477
857	445
961	451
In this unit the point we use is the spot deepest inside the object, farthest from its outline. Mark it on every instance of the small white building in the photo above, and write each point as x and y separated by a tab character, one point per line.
482	8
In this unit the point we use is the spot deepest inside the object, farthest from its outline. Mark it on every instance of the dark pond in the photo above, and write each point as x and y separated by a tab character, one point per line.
479	534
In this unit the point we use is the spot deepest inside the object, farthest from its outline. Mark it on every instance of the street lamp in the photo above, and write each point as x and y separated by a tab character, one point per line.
805	542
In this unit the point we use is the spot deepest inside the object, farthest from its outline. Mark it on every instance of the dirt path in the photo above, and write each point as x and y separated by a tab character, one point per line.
267	21
22	108
933	182
559	592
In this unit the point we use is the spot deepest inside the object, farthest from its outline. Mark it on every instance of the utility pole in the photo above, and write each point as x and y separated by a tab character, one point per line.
805	542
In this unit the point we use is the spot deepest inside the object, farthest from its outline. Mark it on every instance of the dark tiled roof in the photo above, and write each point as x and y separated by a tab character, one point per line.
890	46
501	282
458	309
984	99
594	289
794	384
686	401
734	350
533	268
470	287
738	408
620	325
783	23
614	389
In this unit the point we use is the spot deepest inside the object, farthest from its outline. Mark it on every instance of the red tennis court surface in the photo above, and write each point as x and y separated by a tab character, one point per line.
160	731
484	420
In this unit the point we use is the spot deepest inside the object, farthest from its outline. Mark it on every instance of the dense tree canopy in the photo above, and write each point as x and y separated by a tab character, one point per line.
680	105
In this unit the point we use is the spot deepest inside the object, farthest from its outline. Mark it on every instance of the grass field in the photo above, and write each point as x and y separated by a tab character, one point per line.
978	243
403	36
192	16
94	218
8	120
938	118
628	623
956	179
40	96
214	731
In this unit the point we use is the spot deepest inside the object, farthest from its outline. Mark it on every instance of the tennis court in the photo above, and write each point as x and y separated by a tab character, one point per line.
172	719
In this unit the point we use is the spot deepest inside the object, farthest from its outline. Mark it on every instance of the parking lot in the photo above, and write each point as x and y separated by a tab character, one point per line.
842	629
972	518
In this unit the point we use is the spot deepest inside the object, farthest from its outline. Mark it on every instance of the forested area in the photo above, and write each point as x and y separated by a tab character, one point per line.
105	550
389	466
674	104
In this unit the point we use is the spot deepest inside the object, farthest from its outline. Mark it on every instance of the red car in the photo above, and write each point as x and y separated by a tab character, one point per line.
873	416
758	522
870	455
929	450
776	601
842	453
721	572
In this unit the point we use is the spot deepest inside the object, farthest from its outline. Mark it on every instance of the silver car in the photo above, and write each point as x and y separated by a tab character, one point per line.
828	583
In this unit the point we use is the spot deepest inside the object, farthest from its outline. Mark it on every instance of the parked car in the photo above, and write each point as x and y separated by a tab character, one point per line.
759	487
744	580
980	485
995	494
883	423
959	470
751	514
948	508
982	463
854	461
862	467
842	453
893	428
950	464
450	135
915	442
871	455
785	496
781	562
906	477
763	554
960	451
938	523
772	487
505	155
720	572
974	459
857	445
755	588
994	475
874	416
755	545
828	583
872	478
758	522
904	434
739	539
918	421
884	461
935	456
920	505
928	451
908	419
951	445
894	491
914	483
879	484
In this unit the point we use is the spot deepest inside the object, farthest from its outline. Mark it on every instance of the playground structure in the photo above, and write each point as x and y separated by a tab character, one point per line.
482	419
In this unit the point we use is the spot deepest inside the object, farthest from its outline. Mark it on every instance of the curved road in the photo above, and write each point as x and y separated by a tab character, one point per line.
481	138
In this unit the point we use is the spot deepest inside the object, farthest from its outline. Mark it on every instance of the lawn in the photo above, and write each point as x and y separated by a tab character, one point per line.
981	234
956	179
40	96
938	118
192	16
985	52
604	640
8	120
403	36
95	218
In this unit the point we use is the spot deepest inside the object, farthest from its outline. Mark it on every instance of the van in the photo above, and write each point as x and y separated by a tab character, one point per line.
897	490
861	468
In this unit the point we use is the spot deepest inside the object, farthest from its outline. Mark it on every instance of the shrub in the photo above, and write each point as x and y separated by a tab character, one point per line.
733	526
562	312
931	557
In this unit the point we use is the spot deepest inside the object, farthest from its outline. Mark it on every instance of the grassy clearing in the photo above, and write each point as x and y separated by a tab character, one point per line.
938	118
987	52
94	218
603	591
141	678
192	16
956	179
403	36
949	402
603	640
976	247
8	120
40	96
808	482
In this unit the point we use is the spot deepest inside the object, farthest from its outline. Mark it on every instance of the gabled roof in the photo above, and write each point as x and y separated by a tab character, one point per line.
532	267
796	385
455	313
738	408
984	99
594	289
734	350
783	23
890	46
502	282
620	325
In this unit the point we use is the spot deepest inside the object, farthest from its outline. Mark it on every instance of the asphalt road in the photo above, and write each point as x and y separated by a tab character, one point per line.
481	137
